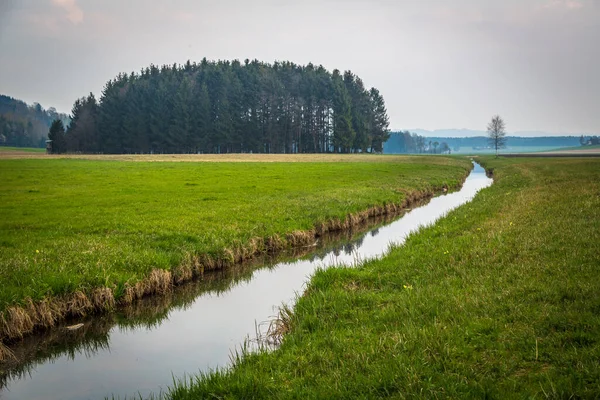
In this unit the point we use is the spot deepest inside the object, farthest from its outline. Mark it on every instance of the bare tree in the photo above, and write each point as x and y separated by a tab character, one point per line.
496	133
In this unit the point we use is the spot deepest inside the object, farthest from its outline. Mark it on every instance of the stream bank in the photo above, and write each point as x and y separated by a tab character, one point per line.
205	330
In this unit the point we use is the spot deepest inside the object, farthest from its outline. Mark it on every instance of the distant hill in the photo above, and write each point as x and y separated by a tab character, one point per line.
416	142
462	133
23	125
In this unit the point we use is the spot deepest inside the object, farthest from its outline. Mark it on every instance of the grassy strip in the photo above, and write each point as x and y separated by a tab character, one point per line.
79	227
9	149
501	299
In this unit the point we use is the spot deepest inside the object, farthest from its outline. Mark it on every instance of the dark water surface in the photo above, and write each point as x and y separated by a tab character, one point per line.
142	348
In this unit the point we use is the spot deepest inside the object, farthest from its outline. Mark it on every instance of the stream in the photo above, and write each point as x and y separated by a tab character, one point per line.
141	349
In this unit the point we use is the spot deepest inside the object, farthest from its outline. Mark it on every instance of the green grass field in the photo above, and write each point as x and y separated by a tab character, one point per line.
508	149
500	299
68	224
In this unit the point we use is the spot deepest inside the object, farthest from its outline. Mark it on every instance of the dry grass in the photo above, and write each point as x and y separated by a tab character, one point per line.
209	157
78	304
43	311
183	273
103	299
6	353
279	326
301	238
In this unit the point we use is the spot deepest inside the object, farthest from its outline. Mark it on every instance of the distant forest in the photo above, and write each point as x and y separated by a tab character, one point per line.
406	142
22	125
225	107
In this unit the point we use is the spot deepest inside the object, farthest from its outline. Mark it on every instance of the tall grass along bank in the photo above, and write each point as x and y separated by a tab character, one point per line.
78	236
500	299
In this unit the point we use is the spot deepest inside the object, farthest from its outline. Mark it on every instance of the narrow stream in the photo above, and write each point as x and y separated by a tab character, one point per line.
140	350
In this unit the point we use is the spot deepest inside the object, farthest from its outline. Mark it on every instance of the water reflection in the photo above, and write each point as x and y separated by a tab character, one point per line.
141	348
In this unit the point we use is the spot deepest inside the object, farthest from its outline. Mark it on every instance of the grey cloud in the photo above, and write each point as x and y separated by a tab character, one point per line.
74	12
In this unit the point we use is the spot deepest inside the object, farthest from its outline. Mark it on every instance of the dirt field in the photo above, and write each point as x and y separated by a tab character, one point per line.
208	157
594	152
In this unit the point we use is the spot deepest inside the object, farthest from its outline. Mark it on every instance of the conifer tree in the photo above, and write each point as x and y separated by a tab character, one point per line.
218	107
381	123
57	135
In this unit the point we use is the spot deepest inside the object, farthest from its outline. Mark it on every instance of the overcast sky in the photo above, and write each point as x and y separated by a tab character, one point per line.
438	63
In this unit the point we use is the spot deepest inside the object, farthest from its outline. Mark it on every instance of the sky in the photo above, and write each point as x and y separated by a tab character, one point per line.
438	64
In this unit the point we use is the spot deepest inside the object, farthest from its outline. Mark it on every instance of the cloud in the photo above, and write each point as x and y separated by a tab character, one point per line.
564	4
182	16
74	12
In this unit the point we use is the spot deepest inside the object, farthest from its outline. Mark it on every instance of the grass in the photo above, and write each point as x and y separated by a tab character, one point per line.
508	149
8	149
151	311
500	299
70	225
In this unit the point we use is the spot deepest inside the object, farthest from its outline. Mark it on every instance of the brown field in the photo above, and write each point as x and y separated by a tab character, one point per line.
593	152
576	151
12	154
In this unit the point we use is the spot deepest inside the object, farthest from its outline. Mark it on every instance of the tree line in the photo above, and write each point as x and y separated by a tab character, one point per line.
23	125
589	140
413	143
405	142
229	106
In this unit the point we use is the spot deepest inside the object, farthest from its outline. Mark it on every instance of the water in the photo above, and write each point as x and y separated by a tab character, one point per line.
141	349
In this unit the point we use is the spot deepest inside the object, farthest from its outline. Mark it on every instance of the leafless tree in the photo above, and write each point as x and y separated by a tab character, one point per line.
496	133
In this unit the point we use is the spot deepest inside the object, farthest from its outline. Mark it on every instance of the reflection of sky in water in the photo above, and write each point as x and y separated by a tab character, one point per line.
204	335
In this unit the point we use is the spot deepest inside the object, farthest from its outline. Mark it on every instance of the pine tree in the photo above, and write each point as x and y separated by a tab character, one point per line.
343	132
57	135
380	129
230	107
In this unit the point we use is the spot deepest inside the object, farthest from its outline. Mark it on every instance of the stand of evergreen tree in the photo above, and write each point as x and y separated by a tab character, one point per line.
231	107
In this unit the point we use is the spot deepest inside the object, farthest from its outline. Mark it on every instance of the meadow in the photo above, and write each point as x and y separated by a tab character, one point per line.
500	299
90	230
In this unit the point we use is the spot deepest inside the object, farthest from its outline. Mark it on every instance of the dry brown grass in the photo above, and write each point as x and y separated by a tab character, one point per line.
183	273
301	238
274	244
103	299
6	353
279	326
16	322
43	312
78	304
212	157
159	282
132	293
